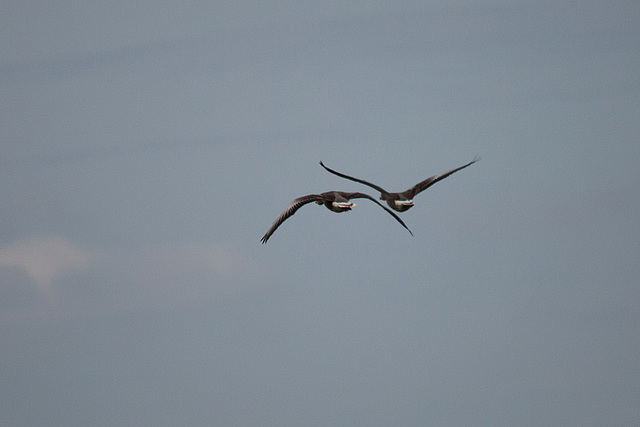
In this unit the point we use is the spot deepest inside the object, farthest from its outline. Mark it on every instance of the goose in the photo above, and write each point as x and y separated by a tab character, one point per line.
336	201
403	201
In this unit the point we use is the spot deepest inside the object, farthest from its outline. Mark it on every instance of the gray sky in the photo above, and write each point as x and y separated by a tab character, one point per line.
146	149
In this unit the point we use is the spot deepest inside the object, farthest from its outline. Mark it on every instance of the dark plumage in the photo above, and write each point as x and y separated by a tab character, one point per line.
337	201
402	201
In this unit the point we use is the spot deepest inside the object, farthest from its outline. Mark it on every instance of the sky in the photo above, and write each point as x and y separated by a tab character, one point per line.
146	148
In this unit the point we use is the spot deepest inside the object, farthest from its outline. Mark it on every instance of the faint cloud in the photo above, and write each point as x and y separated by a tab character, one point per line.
160	276
188	263
45	259
74	280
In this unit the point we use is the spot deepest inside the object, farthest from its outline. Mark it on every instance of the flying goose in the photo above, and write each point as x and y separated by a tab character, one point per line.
337	201
402	201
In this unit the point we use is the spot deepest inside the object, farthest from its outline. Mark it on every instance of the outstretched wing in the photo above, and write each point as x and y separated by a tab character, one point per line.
366	196
361	181
290	210
421	186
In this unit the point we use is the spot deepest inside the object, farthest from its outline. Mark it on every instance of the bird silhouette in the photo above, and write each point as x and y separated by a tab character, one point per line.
337	201
404	200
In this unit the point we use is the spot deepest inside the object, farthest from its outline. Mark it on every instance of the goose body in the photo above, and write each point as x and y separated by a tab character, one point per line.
336	201
404	200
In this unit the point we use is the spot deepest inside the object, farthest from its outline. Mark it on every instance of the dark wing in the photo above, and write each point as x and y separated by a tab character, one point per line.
361	181
290	210
421	186
366	196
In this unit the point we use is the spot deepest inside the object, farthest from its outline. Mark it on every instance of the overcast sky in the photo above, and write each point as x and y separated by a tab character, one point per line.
146	148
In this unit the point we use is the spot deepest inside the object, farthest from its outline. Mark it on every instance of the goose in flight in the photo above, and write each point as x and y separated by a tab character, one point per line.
403	201
337	201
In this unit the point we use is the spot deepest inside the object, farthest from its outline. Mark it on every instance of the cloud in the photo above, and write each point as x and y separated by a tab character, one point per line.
45	259
192	261
74	280
158	277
